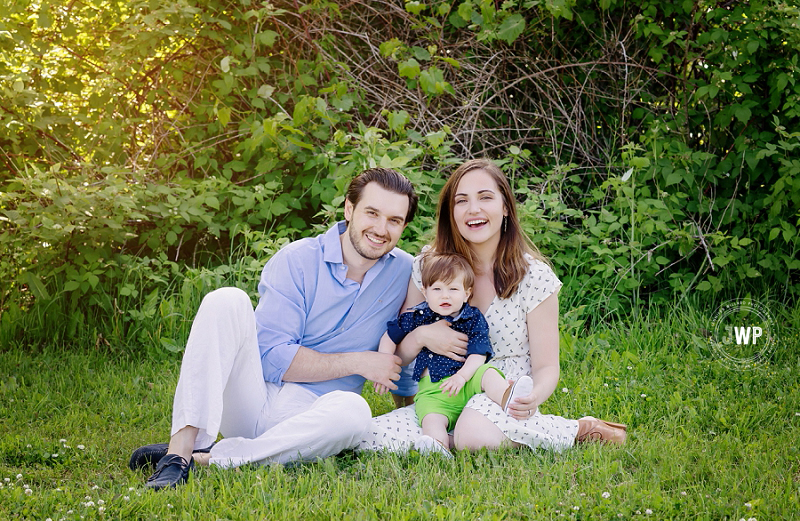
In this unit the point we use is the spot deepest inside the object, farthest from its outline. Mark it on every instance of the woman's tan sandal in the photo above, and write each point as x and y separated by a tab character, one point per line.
592	429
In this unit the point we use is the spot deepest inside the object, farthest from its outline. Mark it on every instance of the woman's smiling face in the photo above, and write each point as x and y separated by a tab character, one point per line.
478	208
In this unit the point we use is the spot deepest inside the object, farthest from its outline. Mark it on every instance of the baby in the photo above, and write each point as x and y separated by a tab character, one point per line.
446	385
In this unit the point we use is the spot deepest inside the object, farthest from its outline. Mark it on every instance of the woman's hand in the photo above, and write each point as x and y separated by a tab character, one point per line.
524	407
440	338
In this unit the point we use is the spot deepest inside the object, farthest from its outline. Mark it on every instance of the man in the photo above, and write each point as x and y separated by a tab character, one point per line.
283	384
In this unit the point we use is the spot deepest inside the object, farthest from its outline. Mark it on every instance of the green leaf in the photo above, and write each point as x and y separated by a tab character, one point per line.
224	115
389	47
170	345
265	91
742	113
225	64
398	120
35	286
511	28
267	38
409	68
420	53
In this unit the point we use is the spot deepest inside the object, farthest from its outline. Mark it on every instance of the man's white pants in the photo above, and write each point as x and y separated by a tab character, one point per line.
221	389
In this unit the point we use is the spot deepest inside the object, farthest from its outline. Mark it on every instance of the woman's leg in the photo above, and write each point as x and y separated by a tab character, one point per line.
474	431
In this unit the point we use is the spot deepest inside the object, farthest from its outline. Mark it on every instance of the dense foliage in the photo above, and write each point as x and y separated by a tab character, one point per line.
153	147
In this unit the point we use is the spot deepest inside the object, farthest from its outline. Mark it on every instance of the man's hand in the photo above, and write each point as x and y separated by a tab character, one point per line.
440	338
381	368
453	385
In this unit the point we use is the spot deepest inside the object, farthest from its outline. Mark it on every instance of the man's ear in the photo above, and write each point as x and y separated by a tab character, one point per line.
348	210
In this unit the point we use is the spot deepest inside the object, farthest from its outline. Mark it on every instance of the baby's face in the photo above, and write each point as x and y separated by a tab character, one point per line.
446	298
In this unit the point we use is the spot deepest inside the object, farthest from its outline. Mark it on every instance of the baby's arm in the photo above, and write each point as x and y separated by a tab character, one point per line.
455	383
385	346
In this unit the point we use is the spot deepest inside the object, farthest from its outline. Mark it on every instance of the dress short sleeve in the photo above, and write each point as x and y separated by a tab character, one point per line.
539	283
416	269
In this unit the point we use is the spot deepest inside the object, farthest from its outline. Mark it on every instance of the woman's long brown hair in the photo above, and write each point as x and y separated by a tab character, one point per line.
510	265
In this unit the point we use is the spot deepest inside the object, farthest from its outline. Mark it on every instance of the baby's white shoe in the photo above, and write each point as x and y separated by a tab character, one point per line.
521	388
428	445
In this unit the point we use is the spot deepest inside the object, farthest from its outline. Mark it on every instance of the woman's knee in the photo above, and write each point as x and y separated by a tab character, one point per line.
474	431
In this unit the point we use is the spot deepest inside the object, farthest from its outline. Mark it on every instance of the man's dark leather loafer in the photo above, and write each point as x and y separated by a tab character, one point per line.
148	455
152	454
172	470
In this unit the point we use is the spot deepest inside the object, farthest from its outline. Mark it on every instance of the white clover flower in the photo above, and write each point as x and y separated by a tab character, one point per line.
169	506
28	491
752	519
643	395
576	508
131	489
28	446
55	455
62	440
101	509
126	498
797	414
683	493
648	511
620	515
606	495
630	368
7	480
95	487
605	385
101	502
564	390
748	506
19	476
90	503
87	498
81	447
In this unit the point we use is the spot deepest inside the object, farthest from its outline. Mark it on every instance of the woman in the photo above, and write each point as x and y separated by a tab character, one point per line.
517	292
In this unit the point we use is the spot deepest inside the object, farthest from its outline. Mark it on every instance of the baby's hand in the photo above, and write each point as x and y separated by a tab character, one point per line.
380	388
453	385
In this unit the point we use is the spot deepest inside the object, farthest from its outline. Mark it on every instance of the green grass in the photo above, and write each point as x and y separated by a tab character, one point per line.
705	441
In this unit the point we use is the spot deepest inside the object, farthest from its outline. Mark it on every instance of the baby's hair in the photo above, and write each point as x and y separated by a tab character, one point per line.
446	267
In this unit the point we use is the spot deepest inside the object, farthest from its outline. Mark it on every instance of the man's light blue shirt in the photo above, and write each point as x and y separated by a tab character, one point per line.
307	300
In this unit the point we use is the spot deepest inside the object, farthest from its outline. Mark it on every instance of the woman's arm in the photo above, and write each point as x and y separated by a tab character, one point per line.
542	324
438	337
